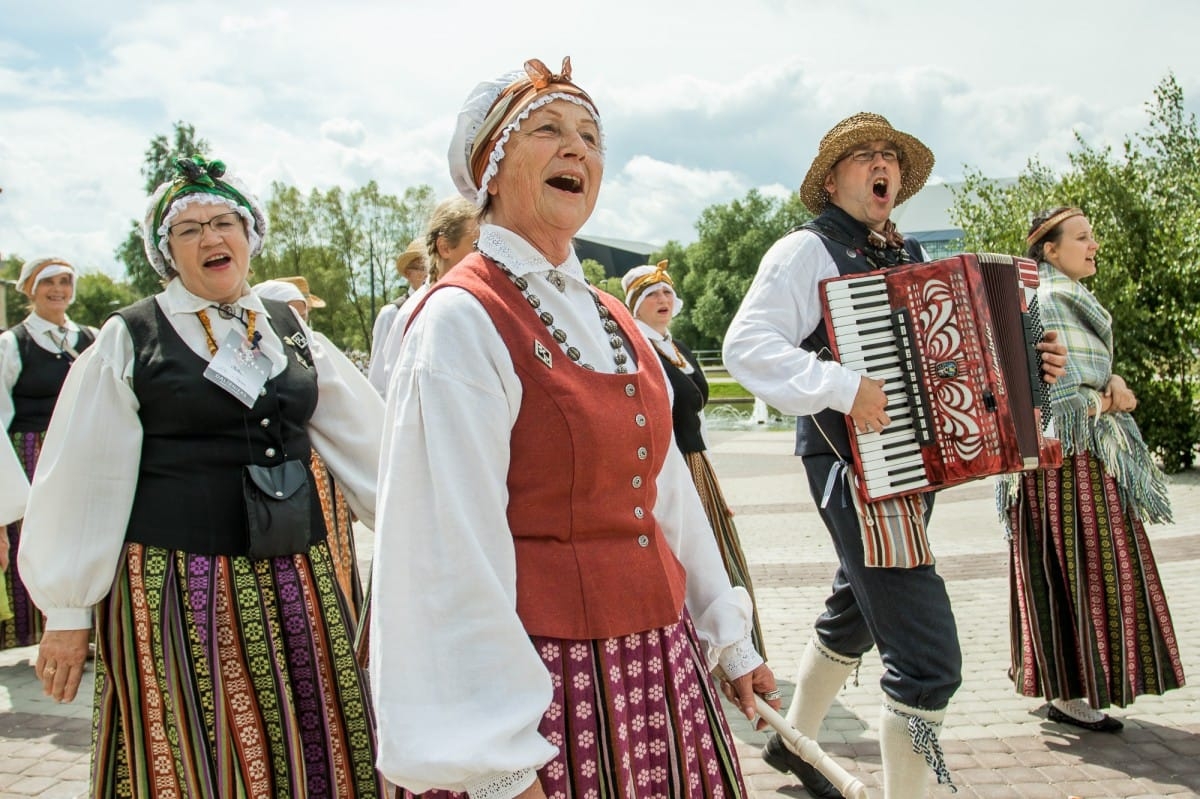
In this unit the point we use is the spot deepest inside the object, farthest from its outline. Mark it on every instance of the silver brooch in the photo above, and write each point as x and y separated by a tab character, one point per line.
557	280
542	353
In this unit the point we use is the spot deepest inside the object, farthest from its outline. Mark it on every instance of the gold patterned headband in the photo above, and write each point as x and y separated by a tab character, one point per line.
638	287
1054	221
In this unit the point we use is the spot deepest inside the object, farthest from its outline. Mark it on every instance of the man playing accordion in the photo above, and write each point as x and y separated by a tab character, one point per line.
778	348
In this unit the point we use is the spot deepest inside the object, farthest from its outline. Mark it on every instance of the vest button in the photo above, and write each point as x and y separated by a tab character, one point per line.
630	390
262	392
643	540
638	512
270	453
640	420
265	423
637	481
642	453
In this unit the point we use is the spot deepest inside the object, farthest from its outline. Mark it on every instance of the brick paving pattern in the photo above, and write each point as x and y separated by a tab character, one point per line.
998	744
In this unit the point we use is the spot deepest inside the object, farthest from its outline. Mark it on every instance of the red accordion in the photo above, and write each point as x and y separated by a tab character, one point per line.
954	342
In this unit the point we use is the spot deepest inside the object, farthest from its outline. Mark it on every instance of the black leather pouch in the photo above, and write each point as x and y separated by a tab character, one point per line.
278	509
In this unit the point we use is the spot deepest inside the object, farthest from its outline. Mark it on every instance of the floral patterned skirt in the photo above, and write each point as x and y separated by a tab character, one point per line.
636	717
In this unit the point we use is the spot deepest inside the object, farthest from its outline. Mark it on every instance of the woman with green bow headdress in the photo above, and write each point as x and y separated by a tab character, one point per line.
197	544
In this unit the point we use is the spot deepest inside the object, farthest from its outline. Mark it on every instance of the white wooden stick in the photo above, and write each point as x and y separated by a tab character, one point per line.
808	749
811	752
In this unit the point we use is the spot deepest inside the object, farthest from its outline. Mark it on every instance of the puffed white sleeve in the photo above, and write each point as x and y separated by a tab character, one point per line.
82	491
377	367
459	690
346	427
14	486
723	614
10	371
781	309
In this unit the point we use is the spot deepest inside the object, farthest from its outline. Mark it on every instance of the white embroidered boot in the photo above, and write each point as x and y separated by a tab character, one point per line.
821	674
908	744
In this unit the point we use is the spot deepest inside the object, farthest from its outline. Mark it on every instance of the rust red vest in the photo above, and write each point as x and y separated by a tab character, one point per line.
586	450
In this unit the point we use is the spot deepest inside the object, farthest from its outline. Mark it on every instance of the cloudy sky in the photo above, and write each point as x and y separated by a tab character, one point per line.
701	100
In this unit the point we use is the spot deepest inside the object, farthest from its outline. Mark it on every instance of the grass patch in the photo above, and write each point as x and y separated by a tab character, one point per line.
719	391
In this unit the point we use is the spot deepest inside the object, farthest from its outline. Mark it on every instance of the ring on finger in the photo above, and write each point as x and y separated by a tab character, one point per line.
49	670
771	696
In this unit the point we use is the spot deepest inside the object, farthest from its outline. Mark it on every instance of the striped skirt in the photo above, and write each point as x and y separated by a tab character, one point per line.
726	533
1089	618
339	524
222	676
25	626
636	717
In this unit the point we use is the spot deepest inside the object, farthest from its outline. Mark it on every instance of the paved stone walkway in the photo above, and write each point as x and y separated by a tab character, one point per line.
998	744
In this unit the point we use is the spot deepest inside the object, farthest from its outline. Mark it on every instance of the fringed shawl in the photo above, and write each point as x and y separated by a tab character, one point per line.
1086	328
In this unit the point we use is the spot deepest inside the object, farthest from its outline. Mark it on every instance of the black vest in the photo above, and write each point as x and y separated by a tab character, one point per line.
41	379
845	238
196	437
691	395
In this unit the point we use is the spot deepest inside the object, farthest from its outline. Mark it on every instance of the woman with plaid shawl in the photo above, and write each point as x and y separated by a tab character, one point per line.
1089	619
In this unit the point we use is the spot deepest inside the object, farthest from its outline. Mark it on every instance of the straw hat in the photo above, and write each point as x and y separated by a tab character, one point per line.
416	249
916	160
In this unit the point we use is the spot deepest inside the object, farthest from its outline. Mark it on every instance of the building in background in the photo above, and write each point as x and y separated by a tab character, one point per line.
926	217
617	256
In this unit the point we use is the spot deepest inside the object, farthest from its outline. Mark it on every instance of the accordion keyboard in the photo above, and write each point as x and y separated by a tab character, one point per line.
871	339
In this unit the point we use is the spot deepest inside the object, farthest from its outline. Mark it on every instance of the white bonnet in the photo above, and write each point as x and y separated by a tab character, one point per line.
497	107
642	281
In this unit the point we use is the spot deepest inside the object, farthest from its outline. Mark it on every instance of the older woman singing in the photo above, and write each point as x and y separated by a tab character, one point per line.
555	600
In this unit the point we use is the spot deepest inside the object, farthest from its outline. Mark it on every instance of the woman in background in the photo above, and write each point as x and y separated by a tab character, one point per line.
1089	619
35	356
650	296
449	237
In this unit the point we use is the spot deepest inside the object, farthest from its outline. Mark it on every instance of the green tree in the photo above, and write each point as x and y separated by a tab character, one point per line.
156	169
345	243
97	295
714	273
16	304
1143	205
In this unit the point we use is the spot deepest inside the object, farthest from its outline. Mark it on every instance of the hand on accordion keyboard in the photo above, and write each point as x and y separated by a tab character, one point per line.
869	410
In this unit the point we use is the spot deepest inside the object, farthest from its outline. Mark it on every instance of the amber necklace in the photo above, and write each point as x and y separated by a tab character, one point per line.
251	336
677	358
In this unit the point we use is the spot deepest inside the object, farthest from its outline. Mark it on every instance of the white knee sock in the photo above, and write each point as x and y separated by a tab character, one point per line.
907	744
821	674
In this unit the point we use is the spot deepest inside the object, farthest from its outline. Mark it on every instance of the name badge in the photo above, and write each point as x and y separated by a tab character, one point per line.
239	369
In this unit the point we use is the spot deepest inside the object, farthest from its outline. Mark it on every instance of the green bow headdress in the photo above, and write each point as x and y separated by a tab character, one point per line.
199	180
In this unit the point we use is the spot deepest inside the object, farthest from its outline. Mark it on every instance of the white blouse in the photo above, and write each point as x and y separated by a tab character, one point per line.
458	689
389	355
83	490
45	334
14	486
781	309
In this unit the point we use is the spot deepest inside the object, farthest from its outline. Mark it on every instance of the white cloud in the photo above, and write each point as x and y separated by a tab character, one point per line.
347	132
318	95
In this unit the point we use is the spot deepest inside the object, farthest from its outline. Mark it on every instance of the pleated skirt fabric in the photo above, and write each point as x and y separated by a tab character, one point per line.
725	531
222	676
339	523
25	626
1089	618
636	717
